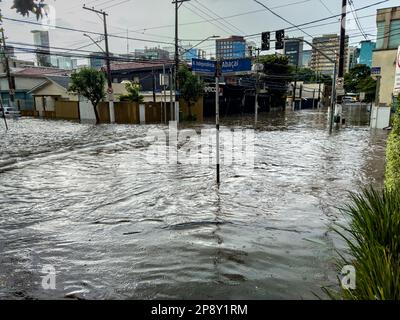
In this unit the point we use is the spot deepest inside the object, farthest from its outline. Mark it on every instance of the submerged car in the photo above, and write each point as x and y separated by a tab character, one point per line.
9	112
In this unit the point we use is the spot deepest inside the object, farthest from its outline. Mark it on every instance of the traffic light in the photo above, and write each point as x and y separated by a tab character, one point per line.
265	40
280	36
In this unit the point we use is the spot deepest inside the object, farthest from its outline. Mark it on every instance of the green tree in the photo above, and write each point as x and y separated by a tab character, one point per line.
191	88
277	75
133	94
89	83
359	80
25	7
310	76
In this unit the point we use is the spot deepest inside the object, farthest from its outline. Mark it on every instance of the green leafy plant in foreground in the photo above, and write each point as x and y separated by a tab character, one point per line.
373	239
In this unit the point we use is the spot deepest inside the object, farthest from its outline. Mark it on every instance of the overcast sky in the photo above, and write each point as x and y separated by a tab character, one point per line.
154	20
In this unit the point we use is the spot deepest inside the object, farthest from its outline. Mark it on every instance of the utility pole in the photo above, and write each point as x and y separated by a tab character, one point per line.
154	85
342	52
108	64
10	78
295	89
256	95
178	4
217	74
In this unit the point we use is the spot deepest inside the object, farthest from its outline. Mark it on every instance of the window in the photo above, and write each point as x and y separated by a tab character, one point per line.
381	34
394	38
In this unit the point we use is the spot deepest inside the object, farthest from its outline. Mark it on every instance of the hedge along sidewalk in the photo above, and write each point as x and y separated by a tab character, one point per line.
392	176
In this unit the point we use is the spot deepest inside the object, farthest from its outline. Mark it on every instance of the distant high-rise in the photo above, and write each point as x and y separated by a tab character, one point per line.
307	55
42	43
367	48
329	45
352	58
231	48
294	51
97	60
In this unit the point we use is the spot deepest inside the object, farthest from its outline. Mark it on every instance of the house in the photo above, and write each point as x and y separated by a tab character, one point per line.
50	91
53	100
146	73
26	78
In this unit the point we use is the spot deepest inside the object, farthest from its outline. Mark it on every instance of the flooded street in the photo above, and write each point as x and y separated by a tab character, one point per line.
85	200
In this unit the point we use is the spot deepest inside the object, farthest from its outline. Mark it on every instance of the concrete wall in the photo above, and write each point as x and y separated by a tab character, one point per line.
386	60
86	111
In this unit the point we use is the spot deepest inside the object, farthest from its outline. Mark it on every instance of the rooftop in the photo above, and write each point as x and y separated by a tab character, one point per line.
140	65
40	71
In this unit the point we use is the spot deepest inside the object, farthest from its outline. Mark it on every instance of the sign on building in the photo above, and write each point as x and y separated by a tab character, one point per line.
397	75
376	71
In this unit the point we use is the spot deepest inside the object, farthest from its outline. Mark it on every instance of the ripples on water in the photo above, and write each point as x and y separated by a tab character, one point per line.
84	199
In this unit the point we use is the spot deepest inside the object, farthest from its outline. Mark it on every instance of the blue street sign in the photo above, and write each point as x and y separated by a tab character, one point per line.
236	66
203	66
376	71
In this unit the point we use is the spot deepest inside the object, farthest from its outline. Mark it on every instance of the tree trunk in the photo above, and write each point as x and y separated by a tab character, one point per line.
96	113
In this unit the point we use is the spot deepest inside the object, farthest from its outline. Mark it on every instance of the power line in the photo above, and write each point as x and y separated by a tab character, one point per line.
86	31
357	20
222	18
223	28
320	20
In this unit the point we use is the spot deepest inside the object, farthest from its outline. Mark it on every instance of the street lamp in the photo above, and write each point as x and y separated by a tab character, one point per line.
95	42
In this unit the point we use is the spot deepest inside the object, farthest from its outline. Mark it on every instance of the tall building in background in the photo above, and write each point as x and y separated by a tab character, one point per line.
294	51
61	62
152	54
231	48
306	62
385	54
42	43
352	58
328	44
97	60
366	50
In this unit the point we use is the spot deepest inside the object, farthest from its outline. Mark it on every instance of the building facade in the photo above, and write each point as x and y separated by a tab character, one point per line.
366	50
294	51
328	44
231	48
385	54
97	60
352	58
306	61
42	42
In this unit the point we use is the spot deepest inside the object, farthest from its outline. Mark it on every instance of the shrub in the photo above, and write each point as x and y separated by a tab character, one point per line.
392	180
373	239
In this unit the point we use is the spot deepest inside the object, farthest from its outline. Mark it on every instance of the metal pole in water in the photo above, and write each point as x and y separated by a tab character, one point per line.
217	121
4	115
